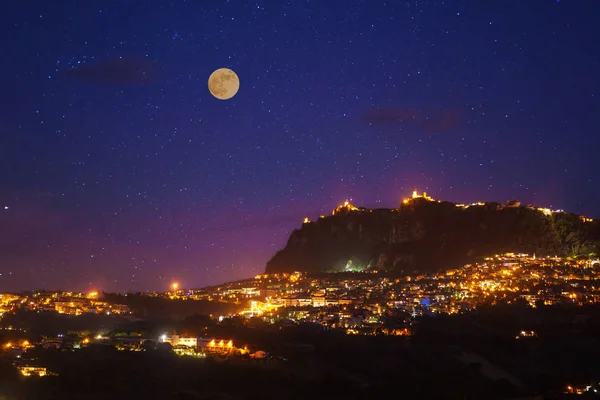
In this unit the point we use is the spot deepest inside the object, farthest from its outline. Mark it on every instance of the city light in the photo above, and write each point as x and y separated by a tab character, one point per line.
31	371
343	301
346	206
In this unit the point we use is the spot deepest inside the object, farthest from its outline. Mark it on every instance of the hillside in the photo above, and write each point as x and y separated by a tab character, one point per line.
426	235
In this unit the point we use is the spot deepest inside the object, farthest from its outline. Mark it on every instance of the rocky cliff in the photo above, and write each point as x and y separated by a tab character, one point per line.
427	235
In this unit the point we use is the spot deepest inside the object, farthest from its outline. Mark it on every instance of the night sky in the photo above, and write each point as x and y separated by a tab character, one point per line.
120	171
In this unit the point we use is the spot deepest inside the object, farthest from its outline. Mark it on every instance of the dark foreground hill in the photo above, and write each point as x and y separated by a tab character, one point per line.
427	235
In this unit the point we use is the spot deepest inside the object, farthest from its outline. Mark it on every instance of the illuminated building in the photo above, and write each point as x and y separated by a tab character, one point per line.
188	351
32	371
220	346
176	340
416	195
346	207
270	292
318	301
198	347
69	307
296	301
6	299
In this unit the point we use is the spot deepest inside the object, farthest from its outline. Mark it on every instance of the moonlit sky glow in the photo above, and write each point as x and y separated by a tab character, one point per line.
119	170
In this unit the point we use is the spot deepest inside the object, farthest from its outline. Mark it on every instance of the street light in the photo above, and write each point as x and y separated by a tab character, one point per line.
175	286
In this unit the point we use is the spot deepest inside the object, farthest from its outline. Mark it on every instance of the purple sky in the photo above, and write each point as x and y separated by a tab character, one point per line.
120	171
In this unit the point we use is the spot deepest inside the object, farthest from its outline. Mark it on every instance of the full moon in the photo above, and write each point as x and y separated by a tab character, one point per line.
223	83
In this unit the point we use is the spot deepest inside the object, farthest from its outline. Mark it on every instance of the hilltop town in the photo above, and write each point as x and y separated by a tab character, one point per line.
424	234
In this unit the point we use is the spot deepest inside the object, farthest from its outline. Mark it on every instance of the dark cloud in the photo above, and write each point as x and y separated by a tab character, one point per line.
113	72
442	122
431	122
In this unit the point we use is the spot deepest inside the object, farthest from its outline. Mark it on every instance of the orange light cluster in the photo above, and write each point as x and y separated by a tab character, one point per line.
346	206
222	343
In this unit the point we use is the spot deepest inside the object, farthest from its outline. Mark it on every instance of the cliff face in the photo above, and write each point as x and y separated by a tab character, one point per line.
425	236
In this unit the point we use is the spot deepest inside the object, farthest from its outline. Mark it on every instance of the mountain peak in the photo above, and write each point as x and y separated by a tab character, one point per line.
424	234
